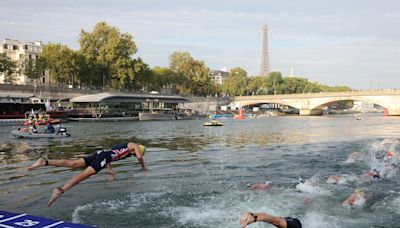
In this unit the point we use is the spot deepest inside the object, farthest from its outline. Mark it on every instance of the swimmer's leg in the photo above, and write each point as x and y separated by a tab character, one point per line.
71	183
59	163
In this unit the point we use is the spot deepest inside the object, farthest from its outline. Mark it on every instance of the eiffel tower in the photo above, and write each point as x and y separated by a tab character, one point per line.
264	69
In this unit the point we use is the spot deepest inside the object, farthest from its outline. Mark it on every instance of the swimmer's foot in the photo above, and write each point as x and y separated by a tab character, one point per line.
55	195
39	163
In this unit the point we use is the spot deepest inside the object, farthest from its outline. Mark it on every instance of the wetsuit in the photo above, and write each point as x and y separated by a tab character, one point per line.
101	158
293	222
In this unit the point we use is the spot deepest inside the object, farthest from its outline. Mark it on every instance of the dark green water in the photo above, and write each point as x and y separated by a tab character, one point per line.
200	177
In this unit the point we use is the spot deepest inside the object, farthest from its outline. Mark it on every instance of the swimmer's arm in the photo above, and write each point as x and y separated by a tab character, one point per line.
139	157
249	218
110	173
273	220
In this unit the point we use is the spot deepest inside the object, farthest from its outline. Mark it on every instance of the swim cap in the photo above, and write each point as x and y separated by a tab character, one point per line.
359	191
142	149
389	154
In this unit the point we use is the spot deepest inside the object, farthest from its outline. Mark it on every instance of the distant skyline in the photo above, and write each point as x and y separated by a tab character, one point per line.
354	43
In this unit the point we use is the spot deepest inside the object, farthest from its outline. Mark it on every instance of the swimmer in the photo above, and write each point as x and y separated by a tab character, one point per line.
279	222
261	186
357	198
335	179
374	174
93	163
353	157
389	155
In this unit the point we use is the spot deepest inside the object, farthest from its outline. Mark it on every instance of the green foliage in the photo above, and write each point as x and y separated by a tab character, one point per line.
63	63
274	83
110	51
236	82
257	85
192	74
34	68
8	68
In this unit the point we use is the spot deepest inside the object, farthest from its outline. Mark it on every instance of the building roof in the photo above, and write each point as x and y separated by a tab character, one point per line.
16	95
94	98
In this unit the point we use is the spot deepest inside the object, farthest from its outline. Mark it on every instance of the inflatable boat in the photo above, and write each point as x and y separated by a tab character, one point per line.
62	133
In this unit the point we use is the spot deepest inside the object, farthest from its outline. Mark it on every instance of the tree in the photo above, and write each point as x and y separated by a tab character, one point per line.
34	68
256	85
274	83
163	78
8	68
141	75
295	85
236	82
192	74
111	50
65	65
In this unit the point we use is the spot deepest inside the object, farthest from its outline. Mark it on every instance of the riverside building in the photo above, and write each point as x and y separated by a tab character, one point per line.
20	52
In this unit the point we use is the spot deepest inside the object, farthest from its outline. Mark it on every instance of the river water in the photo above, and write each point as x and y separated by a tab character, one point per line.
200	176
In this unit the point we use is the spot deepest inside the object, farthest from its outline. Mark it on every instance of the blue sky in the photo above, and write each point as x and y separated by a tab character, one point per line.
337	42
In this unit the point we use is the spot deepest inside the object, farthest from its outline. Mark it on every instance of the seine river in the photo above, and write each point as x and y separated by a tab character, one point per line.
200	176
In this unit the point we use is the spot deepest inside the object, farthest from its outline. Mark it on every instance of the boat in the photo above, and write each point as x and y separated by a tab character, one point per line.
25	133
213	123
43	122
16	107
158	114
240	116
103	119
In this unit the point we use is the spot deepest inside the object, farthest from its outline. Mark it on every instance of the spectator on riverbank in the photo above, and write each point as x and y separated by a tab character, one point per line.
288	222
93	163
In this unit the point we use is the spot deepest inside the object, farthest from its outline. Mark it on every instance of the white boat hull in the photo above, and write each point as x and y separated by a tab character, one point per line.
28	135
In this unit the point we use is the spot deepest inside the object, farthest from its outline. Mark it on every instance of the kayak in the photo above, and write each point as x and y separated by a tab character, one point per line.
29	135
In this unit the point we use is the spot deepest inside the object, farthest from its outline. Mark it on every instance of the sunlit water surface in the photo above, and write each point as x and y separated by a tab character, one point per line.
200	176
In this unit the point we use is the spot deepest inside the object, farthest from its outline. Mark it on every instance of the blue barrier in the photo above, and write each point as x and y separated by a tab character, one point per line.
14	220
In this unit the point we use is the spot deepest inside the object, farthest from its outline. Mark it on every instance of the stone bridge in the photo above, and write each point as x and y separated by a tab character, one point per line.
313	103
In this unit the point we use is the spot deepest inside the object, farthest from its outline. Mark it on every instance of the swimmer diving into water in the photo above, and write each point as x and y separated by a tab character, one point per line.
93	163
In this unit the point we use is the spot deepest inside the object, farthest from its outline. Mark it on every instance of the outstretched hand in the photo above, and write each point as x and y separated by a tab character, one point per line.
246	219
144	171
110	176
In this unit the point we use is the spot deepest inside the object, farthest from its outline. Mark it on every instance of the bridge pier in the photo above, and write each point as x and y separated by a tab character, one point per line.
310	112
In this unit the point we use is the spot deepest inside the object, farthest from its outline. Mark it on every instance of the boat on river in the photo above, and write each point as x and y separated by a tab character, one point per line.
26	134
213	123
158	114
103	119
